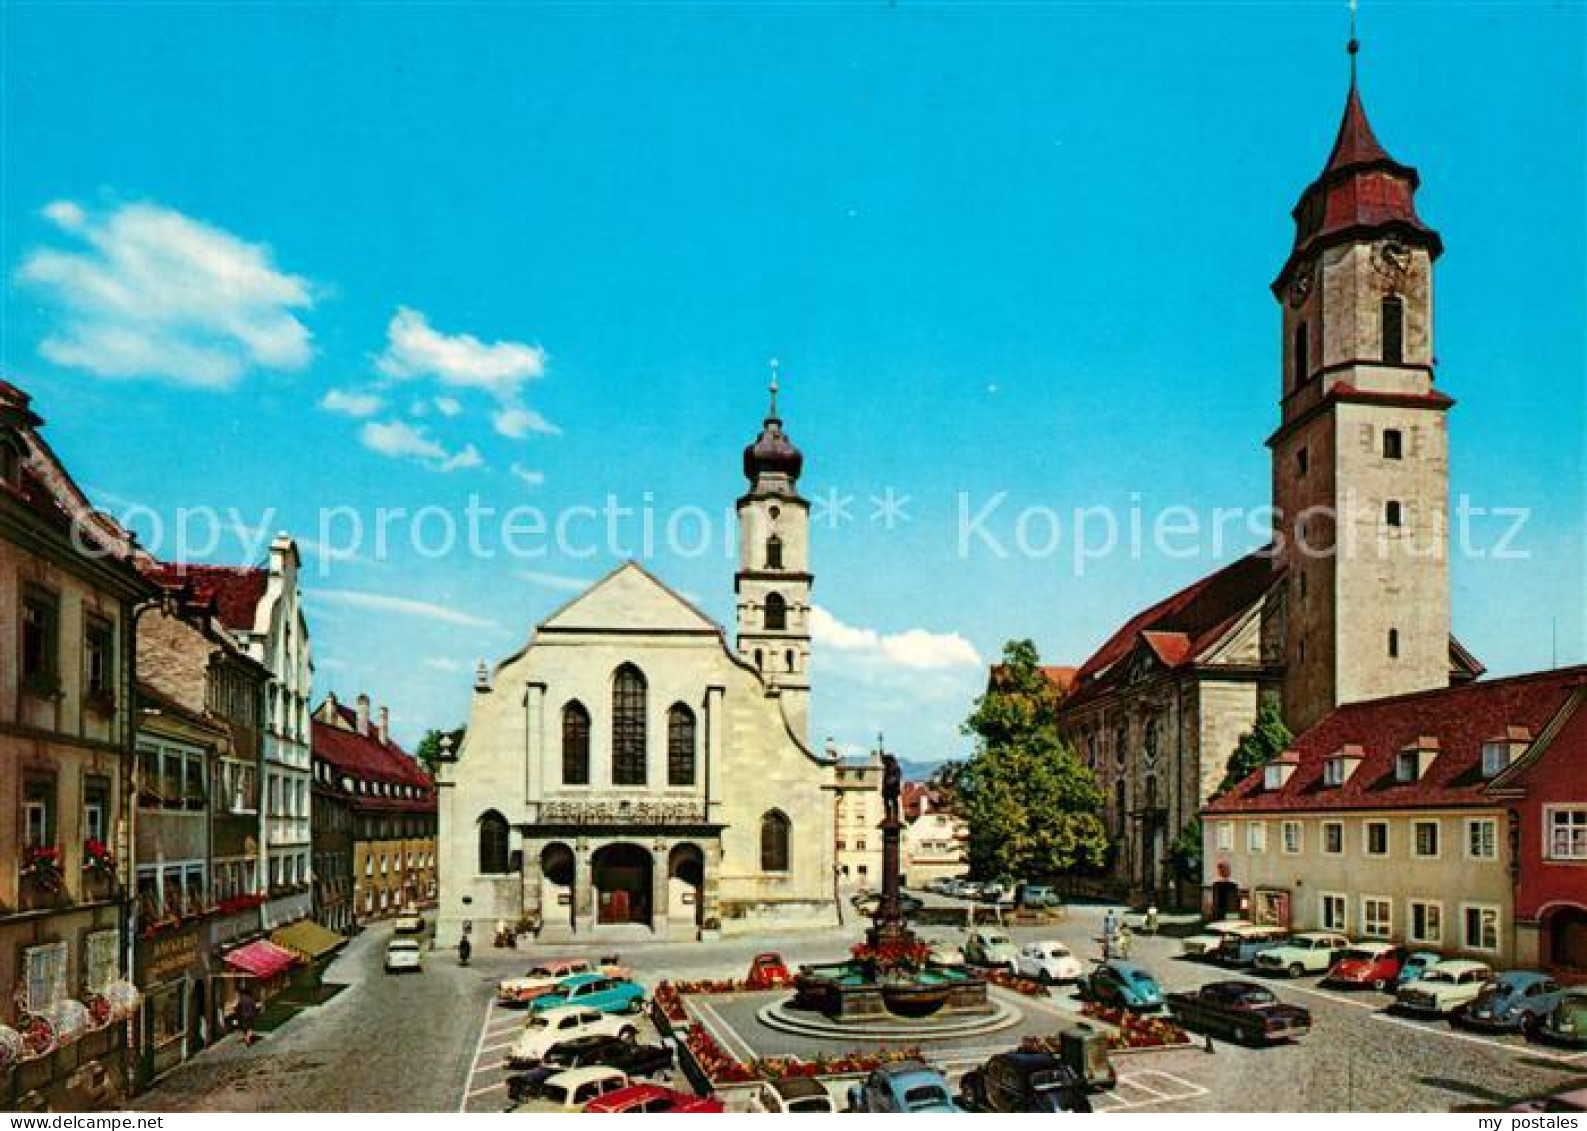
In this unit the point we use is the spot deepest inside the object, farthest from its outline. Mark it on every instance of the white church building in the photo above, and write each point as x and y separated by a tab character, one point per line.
628	774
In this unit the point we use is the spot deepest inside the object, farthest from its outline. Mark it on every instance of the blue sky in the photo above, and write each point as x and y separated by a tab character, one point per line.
547	253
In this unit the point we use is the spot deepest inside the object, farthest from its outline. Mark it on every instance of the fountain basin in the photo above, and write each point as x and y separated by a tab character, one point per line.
852	990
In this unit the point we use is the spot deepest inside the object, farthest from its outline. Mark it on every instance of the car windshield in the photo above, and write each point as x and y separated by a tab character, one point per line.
1140	977
1444	976
537	1022
926	1095
1358	956
997	940
811	1103
1256	997
556	1093
1051	1079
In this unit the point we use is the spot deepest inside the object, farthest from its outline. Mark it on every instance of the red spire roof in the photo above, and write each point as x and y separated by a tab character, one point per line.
1356	143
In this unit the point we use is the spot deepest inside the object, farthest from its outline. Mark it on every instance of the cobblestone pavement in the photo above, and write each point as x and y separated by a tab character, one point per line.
448	1041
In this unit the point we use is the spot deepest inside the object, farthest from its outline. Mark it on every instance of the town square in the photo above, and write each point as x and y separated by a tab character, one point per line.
737	559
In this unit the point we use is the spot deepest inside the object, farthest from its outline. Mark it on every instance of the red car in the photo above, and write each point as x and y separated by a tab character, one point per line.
652	1099
768	972
1374	964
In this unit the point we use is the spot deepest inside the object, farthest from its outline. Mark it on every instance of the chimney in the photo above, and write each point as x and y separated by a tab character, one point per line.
383	726
363	714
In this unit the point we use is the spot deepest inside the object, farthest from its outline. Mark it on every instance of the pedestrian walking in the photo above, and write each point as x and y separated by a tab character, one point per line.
1123	941
463	951
245	1014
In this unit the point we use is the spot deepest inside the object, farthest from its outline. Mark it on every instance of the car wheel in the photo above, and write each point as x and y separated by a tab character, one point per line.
1380	984
1296	969
1245	1036
628	1033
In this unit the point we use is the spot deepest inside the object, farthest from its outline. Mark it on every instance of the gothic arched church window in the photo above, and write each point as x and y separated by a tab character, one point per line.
628	726
775	830
776	612
680	745
492	844
575	744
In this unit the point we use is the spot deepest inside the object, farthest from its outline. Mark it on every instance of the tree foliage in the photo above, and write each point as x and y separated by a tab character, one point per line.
1258	746
429	749
1032	806
1186	853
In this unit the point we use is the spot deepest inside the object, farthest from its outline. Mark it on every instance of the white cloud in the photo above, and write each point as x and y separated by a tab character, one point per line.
157	294
555	580
442	664
528	476
516	422
914	648
401	606
415	349
400	440
468	457
448	406
350	402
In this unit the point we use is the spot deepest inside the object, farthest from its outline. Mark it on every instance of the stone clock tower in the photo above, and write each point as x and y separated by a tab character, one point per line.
773	581
1360	458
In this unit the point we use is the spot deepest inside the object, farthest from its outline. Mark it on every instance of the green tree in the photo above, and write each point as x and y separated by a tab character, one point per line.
429	750
1185	854
1258	746
1032	807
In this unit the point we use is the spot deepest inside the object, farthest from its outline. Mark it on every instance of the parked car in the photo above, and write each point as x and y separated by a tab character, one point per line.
1573	1100
969	889
940	885
991	946
569	1091
612	995
996	892
1374	964
550	1027
628	1056
792	1094
1122	984
1417	963
944	953
1024	1081
541	979
651	1099
1513	1001
1310	952
1208	938
1566	1023
1036	896
1050	961
768	971
403	956
906	1086
1240	945
866	903
1443	988
1241	1011
409	924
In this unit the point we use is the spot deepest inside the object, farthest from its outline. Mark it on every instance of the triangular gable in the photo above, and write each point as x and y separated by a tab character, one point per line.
629	599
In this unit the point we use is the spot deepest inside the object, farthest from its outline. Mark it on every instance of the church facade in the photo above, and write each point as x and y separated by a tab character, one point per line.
1350	601
630	774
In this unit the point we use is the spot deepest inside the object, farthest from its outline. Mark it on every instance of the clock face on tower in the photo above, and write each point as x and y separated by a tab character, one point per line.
1392	260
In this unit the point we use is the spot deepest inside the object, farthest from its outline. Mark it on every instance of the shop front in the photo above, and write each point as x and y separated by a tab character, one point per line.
178	1017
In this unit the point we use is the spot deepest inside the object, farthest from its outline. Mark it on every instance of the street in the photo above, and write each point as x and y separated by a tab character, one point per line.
435	1041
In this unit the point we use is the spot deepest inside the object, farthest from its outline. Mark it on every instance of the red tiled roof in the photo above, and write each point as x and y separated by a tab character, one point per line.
1063	678
365	757
1181	627
1459	718
1356	143
235	590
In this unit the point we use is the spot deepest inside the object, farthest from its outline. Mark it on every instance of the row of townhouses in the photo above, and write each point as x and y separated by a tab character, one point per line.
181	823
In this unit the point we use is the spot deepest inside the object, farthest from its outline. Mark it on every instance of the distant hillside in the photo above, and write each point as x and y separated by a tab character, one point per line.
917	771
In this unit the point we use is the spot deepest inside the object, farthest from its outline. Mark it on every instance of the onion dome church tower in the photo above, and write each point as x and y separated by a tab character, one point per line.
773	581
1360	458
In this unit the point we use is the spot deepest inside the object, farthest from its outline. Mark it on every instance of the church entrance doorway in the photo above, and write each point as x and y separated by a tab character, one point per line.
623	875
686	886
556	886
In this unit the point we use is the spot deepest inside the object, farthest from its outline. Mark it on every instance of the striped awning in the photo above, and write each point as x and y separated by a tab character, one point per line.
262	959
307	938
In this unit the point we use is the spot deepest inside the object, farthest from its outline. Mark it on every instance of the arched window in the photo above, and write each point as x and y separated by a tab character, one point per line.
1393	328
776	612
1300	359
628	726
492	844
680	745
575	744
774	552
775	831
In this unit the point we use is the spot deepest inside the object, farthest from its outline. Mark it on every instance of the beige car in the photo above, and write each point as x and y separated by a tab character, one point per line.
1443	987
569	1091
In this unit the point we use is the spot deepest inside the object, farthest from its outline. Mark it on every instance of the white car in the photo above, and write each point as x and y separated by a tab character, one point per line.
1049	961
944	953
792	1094
1310	952
1443	987
569	1091
1203	944
409	924
564	1023
990	946
403	955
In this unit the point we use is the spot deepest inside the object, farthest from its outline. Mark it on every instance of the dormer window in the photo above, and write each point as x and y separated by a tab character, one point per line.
1407	765
1334	772
1495	758
1276	774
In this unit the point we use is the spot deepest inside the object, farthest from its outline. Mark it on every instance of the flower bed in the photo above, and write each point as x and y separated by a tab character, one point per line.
1133	1031
1020	984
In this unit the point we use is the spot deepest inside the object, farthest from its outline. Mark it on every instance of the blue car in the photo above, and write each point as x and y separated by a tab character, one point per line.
593	991
1415	965
907	1087
1513	1001
1122	984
